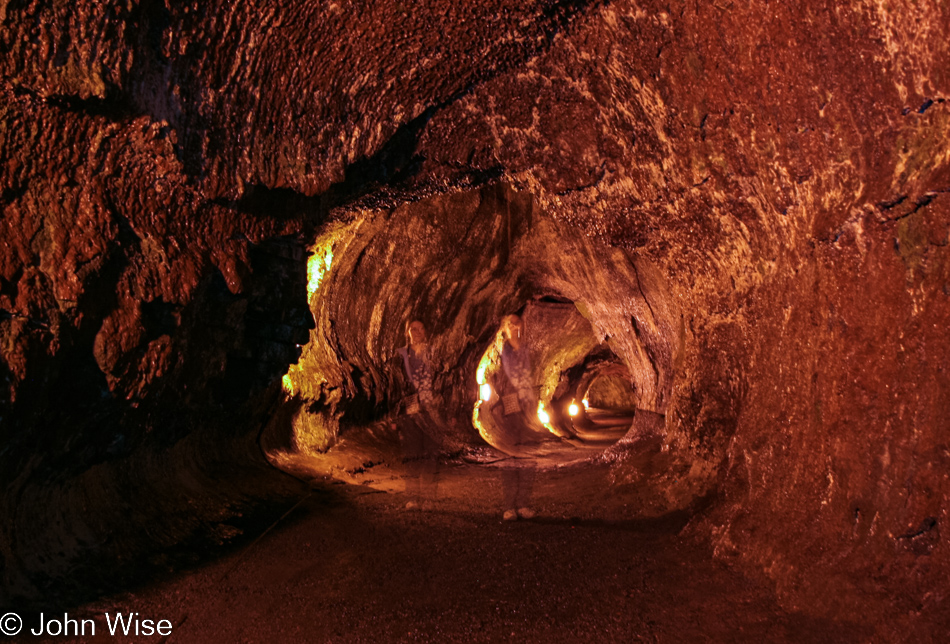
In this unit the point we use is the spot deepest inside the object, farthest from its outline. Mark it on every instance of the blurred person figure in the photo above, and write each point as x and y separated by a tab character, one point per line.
518	478
420	448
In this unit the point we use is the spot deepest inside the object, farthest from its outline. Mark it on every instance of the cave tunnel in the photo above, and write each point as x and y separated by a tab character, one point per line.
554	321
459	269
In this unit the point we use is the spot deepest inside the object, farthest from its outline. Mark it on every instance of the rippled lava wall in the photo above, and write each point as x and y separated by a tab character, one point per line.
779	172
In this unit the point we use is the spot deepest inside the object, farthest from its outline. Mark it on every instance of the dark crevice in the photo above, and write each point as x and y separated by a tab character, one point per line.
62	50
361	409
887	205
647	347
114	106
926	526
396	161
151	18
10	287
589	185
926	105
128	239
280	203
646	300
923	202
9	194
553	298
159	318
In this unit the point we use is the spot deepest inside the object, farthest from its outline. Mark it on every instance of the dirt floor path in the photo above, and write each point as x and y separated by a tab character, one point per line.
351	564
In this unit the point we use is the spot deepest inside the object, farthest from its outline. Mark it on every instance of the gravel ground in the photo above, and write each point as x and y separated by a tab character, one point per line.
350	564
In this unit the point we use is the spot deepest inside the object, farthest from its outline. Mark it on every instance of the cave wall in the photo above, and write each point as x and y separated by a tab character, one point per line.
772	179
787	170
140	323
137	323
851	393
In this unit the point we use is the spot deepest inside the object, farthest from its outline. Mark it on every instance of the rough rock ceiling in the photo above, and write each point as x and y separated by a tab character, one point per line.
776	175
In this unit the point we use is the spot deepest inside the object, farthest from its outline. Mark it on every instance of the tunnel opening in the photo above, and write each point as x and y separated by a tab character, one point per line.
597	322
610	392
563	352
599	396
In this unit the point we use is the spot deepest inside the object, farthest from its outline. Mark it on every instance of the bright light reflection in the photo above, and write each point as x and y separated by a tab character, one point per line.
317	267
485	392
543	415
585	403
477	422
288	384
573	409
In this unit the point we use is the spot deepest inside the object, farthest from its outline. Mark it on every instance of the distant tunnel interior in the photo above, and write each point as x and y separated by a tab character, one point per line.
460	264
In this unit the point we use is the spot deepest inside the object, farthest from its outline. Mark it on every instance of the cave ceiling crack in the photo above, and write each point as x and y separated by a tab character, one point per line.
396	160
918	204
926	105
646	301
370	174
926	526
882	207
593	184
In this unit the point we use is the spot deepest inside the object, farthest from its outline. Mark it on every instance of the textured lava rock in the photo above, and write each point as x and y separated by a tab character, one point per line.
749	199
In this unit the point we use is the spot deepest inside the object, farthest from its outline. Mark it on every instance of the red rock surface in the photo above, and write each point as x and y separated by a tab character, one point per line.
751	200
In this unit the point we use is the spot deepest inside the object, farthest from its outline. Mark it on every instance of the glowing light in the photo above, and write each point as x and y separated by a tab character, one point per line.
585	403
477	422
484	393
288	384
573	409
480	372
543	416
317	267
